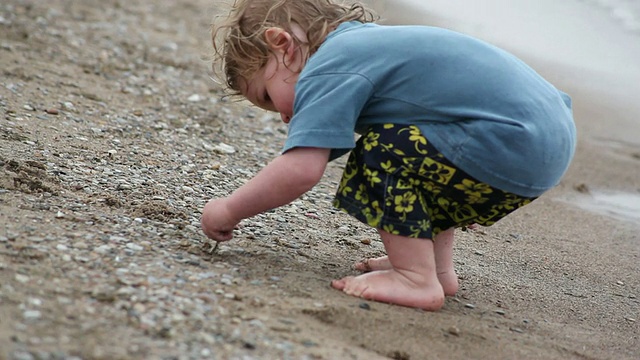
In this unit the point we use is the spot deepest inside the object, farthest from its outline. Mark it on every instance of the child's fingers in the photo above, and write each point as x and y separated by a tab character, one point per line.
221	235
218	235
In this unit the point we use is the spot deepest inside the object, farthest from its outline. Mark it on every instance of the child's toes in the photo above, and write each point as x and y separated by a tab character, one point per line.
363	266
339	284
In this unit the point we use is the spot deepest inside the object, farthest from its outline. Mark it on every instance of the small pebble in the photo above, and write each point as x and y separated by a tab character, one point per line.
224	148
134	247
454	331
21	278
22	355
194	98
32	315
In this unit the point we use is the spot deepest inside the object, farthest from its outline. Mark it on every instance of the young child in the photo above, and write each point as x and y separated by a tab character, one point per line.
454	132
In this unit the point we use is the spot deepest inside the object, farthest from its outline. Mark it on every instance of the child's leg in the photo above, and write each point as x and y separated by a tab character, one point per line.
411	280
443	248
443	244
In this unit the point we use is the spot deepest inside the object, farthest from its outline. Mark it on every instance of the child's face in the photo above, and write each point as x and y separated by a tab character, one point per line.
272	87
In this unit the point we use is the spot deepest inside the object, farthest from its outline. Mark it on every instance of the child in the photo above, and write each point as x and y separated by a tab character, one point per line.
454	132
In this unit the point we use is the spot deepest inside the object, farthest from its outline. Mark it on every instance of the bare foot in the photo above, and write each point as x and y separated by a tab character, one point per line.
447	278
444	261
449	282
411	281
394	287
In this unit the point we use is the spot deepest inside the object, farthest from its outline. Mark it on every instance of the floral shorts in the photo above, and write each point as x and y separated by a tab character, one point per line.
395	180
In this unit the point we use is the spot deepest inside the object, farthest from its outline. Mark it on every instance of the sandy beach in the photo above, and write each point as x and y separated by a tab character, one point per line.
113	137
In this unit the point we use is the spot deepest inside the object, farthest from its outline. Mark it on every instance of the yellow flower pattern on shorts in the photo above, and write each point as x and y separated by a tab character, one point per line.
349	173
372	176
371	141
396	181
404	203
474	190
373	214
436	171
362	195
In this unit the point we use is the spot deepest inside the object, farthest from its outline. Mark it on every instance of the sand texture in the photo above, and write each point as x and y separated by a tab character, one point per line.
113	137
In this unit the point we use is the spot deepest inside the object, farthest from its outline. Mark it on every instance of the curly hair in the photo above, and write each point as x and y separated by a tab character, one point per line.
239	45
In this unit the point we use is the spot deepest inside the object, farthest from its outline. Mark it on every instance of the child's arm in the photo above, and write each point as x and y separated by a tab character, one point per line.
282	181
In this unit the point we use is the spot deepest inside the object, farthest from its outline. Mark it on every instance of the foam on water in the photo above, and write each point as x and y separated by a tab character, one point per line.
626	12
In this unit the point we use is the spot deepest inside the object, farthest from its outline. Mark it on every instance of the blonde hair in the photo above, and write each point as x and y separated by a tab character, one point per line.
239	45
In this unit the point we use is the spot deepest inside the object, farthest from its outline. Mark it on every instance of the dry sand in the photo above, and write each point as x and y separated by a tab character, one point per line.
113	137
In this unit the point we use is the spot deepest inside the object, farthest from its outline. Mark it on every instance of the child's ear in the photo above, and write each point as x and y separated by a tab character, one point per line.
278	39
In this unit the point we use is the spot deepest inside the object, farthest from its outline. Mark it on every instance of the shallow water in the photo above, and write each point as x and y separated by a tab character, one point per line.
620	205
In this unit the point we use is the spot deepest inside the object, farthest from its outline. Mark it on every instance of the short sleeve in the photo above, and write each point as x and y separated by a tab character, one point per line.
326	110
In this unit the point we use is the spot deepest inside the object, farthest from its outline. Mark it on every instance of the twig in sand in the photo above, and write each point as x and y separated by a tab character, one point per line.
214	247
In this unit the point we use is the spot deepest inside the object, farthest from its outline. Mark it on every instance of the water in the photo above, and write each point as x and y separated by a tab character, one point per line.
620	205
625	12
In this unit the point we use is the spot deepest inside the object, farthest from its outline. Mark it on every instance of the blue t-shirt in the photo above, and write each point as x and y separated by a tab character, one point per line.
484	109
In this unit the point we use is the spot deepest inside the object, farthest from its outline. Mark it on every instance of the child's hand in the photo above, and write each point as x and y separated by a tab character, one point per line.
217	222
